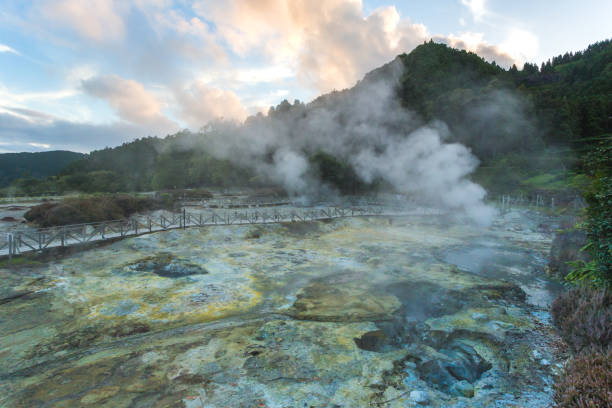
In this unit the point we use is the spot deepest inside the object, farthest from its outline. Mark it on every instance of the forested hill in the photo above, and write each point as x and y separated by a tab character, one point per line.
36	165
567	100
519	123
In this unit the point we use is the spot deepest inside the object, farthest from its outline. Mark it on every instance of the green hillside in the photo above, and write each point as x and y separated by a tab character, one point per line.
35	165
529	128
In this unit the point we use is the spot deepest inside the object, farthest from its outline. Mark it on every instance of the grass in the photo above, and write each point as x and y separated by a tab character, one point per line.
19	260
556	182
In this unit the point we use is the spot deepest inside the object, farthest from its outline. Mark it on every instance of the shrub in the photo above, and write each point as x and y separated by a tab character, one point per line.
85	210
586	382
599	213
584	317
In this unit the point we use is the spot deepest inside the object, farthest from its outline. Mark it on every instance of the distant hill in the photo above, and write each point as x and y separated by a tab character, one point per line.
37	165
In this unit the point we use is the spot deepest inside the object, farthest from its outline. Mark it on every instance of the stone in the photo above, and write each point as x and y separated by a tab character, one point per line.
435	373
463	388
462	363
467	364
322	301
420	397
372	341
99	395
165	265
479	316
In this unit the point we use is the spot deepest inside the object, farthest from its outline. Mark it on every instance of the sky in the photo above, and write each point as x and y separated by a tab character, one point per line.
86	74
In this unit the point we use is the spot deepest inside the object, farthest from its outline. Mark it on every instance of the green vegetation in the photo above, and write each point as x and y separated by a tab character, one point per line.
31	167
92	209
337	173
598	225
520	124
175	162
20	261
584	314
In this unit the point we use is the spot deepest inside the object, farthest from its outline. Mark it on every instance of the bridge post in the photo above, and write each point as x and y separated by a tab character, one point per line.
10	245
184	219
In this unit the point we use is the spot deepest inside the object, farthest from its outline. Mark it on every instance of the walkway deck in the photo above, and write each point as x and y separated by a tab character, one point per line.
31	240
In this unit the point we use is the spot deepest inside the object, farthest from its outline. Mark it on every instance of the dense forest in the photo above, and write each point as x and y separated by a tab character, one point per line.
34	165
529	128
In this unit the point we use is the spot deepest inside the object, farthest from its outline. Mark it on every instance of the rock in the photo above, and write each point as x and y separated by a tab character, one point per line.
435	373
463	364
544	362
463	388
420	397
322	301
467	364
566	248
504	291
166	265
372	341
479	316
499	325
99	395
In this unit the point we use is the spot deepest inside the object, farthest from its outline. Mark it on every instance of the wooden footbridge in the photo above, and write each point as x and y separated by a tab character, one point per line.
31	240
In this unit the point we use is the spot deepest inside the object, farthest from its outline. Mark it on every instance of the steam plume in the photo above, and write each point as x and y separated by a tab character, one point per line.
366	127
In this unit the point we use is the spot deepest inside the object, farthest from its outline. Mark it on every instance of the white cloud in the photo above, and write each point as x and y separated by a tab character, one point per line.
523	45
131	101
29	115
6	48
80	73
24	132
236	78
328	44
475	42
199	104
8	97
40	145
98	20
476	7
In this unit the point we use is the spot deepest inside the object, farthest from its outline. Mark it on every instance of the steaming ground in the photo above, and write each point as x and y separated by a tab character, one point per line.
366	127
354	312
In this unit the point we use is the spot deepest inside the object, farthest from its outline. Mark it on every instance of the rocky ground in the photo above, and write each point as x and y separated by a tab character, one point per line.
361	312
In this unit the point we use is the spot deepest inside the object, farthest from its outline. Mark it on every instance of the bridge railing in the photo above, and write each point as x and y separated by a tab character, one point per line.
29	240
506	201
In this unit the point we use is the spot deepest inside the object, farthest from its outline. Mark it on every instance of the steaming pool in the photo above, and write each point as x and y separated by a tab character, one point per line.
360	312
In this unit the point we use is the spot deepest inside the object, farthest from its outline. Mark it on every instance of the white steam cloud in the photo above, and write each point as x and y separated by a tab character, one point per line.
365	127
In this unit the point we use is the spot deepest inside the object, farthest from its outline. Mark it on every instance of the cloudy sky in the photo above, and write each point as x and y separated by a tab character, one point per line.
85	74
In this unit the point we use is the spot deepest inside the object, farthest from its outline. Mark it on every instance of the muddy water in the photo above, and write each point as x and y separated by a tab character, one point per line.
355	312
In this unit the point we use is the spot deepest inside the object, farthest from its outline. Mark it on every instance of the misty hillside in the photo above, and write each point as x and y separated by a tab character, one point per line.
37	165
518	124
